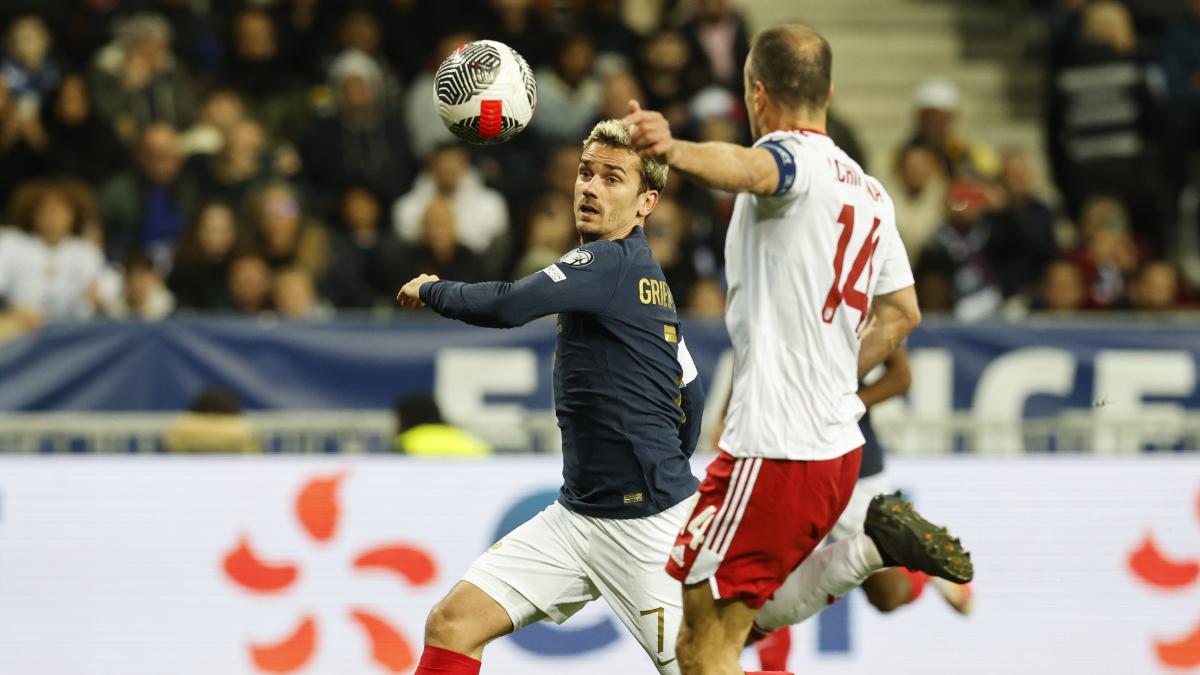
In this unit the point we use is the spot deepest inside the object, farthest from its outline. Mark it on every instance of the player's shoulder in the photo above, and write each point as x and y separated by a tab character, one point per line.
594	254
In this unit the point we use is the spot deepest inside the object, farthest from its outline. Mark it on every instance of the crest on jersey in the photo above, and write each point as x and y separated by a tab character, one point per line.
579	257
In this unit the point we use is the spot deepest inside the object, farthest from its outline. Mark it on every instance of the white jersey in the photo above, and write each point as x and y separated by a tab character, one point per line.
803	265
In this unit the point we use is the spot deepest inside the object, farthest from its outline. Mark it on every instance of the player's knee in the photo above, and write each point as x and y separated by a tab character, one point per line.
450	628
693	654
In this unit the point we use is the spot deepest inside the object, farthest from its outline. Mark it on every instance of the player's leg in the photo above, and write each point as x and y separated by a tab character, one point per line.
458	628
895	535
532	573
626	561
713	632
742	542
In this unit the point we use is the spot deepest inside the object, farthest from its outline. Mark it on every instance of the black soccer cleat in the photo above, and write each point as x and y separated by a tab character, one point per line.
905	539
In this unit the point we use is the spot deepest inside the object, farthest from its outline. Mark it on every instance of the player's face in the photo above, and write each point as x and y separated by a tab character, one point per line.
608	192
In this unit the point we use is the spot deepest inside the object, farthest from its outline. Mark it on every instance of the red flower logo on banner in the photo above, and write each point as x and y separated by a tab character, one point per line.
318	511
1149	564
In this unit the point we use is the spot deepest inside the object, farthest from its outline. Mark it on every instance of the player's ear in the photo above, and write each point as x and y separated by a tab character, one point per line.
649	201
829	96
760	96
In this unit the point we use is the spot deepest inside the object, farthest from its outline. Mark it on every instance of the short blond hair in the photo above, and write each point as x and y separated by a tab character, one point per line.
614	134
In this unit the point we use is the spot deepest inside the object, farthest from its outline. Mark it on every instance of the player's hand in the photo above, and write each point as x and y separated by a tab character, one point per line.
651	131
410	295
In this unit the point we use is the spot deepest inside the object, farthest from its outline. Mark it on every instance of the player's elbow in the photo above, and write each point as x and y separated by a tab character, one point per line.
912	319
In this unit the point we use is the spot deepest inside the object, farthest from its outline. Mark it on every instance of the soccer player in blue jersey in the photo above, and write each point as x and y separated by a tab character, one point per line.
629	406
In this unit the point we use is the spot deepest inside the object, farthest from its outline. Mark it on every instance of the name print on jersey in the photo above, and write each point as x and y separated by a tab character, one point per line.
849	175
655	291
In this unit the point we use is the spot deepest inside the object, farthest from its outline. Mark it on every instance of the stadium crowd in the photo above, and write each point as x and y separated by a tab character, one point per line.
170	156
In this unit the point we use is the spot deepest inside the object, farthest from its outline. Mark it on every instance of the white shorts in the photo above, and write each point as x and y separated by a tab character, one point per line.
851	520
559	561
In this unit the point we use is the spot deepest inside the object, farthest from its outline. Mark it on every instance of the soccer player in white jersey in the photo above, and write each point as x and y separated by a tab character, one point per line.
820	292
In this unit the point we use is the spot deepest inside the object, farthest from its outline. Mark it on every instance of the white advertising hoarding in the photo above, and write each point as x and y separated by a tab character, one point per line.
213	565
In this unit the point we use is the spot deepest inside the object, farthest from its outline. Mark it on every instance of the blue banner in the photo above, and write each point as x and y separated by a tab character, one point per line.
999	369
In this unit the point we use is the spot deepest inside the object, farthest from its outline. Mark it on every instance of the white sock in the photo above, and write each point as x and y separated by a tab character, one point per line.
832	570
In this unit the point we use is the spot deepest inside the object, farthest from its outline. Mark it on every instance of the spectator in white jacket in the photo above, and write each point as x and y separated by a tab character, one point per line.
481	212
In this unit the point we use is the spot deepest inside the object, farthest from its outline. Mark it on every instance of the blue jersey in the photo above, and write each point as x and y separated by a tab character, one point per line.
629	417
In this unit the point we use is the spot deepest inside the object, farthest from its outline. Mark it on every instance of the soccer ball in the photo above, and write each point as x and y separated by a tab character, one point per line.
485	92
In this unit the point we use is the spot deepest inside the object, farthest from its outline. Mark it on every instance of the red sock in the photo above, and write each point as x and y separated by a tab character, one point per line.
773	650
916	584
438	661
767	672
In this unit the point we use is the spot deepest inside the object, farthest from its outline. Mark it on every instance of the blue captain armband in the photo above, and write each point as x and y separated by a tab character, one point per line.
786	163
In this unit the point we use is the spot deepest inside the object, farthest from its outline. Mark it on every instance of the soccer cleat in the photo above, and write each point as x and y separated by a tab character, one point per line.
959	596
905	539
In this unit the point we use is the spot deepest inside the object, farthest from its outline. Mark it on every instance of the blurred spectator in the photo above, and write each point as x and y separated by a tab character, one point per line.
421	431
283	232
1021	232
614	40
202	259
1181	64
82	144
620	88
360	31
213	423
481	211
562	169
1155	288
669	75
18	310
668	230
518	25
1109	254
937	105
24	146
917	187
425	128
55	275
842	134
238	166
219	111
956	255
551	233
27	69
406	23
1062	288
439	251
136	81
719	34
143	294
147	207
359	140
294	295
706	301
1110	146
260	73
196	41
368	261
249	284
569	94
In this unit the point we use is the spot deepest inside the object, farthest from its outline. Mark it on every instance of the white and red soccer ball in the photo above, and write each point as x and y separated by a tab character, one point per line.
485	92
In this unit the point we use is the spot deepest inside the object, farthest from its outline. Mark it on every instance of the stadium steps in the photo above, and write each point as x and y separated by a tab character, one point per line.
884	48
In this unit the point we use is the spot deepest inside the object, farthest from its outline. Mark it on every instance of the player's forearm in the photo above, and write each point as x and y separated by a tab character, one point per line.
879	339
724	166
486	304
896	380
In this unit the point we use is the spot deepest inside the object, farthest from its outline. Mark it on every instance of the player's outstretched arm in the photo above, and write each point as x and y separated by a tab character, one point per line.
895	381
893	316
561	287
723	166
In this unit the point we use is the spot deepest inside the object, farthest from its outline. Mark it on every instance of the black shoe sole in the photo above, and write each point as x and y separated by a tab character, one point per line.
906	539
